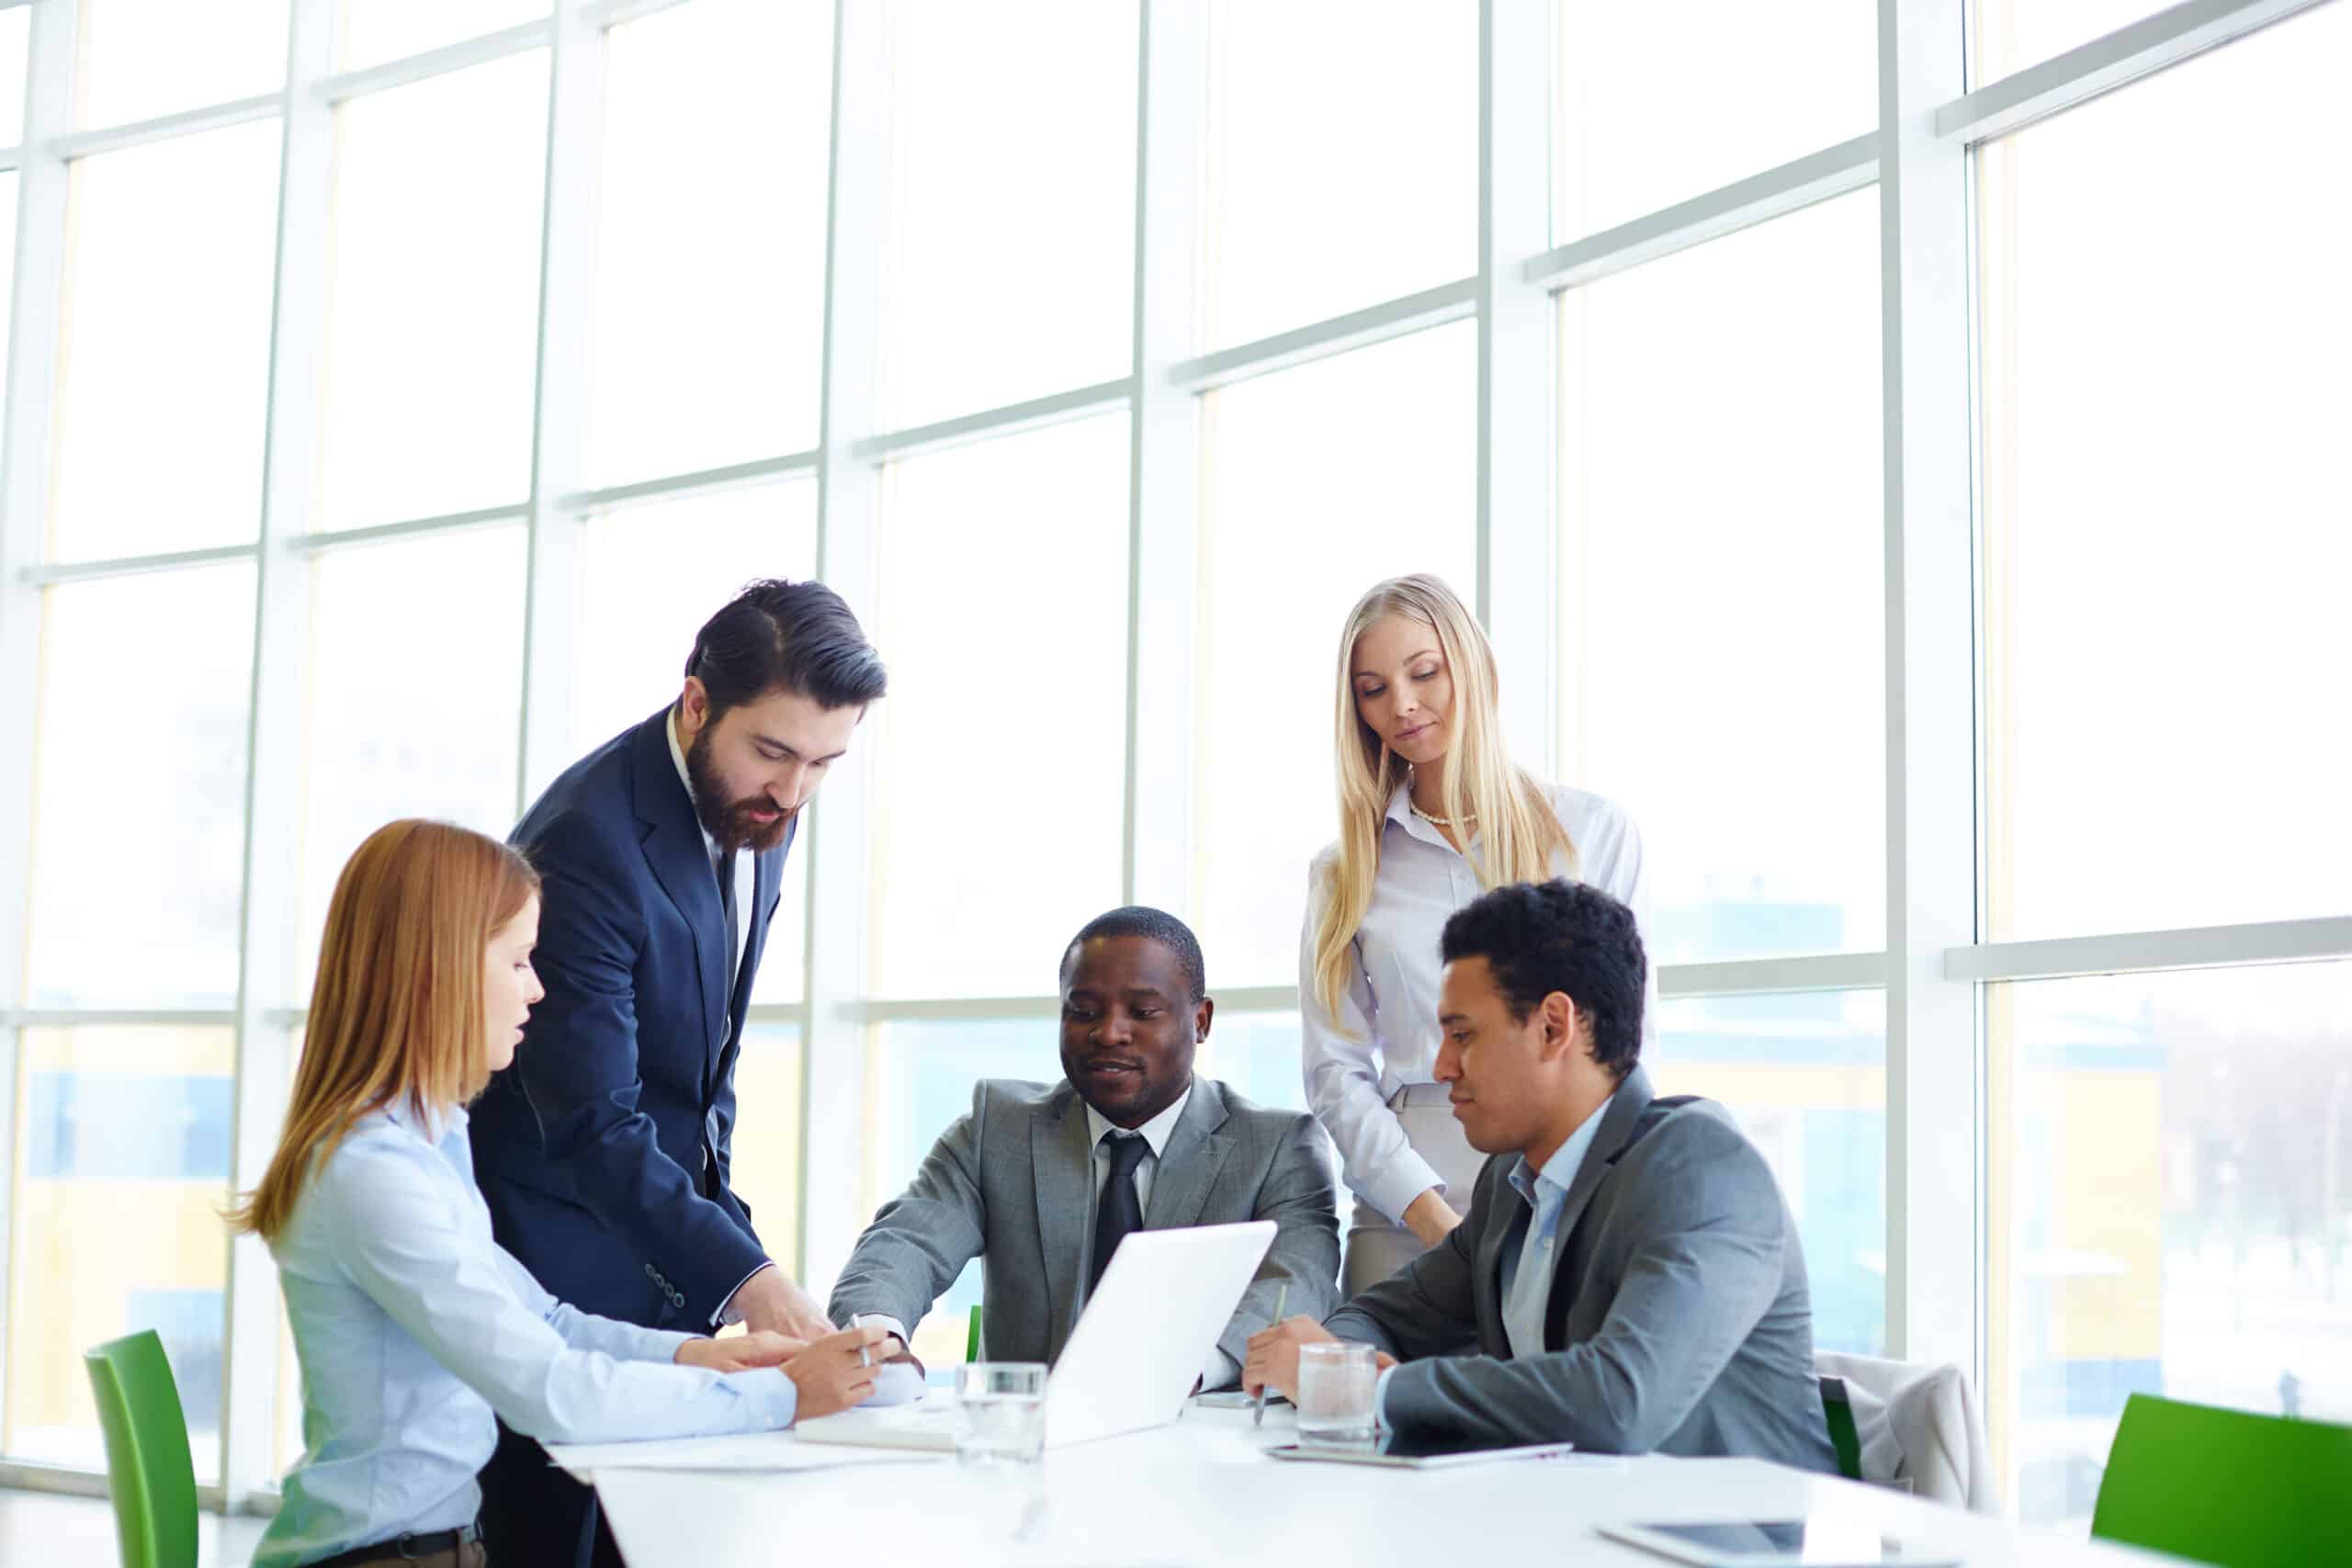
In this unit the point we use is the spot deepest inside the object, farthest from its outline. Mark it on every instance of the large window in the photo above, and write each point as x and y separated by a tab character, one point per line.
1644	119
435	269
1345	148
1011	258
122	1133
998	752
2166	536
1721	621
710	309
160	406
1320	482
1944	575
2142	680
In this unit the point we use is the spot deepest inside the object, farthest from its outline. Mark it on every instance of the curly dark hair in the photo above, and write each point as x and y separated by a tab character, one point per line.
1141	919
1541	937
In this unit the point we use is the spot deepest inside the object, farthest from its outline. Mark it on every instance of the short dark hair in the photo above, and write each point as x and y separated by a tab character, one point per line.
1541	937
1141	919
792	636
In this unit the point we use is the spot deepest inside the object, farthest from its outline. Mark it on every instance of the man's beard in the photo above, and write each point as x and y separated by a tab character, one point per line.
732	823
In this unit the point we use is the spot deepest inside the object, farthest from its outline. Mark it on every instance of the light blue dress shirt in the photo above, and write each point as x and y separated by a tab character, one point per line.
415	1326
1527	1273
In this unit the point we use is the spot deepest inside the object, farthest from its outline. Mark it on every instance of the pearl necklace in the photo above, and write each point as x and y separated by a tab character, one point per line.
1436	821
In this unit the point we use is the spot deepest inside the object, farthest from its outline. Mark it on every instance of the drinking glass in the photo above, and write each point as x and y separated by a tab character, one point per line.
999	1413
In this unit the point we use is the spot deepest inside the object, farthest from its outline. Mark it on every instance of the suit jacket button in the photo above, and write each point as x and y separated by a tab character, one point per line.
649	1272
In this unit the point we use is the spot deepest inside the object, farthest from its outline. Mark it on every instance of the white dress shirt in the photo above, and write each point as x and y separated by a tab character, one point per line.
746	866
413	1328
1221	1369
739	936
1386	1036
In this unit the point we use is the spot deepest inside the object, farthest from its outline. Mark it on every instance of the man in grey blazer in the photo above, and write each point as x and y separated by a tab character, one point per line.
1042	1183
1628	1278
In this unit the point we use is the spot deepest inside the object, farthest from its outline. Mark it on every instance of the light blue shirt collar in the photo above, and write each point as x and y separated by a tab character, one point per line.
1527	1274
1559	1172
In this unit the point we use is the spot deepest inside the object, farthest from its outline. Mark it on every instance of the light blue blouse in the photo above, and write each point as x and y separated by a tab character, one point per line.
415	1326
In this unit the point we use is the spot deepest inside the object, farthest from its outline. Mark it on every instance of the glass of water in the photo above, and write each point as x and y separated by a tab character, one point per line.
1335	1381
999	1413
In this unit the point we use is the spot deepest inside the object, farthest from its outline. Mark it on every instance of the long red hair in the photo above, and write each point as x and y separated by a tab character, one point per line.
396	1013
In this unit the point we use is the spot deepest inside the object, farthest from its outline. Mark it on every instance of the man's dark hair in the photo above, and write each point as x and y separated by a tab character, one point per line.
1541	937
793	636
1141	919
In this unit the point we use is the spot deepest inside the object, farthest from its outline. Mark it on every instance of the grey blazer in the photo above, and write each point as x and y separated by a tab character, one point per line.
1679	1322
1012	1183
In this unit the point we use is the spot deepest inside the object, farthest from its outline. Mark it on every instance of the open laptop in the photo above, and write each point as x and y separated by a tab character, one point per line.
1130	1363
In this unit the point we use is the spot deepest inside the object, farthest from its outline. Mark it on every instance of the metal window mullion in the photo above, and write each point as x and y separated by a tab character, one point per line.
1516	580
1710	215
2114	60
25	450
1933	1303
990	425
1163	497
1446	303
267	979
560	412
848	493
2323	940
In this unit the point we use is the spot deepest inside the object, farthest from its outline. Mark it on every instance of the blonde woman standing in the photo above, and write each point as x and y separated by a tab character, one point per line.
1432	813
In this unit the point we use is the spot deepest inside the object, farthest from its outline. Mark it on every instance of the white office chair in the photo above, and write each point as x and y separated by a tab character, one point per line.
1918	1428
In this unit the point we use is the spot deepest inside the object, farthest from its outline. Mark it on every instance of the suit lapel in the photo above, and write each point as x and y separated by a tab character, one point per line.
1189	1166
1061	1162
673	850
1506	1217
1617	1124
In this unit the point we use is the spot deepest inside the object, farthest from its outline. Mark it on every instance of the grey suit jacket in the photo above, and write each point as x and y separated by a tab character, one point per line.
1678	1320
1012	1183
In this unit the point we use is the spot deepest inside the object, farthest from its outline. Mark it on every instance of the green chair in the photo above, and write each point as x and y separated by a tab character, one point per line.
1844	1437
2226	1487
148	1468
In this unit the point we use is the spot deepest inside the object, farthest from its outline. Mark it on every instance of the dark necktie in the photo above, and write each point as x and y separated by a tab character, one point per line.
734	930
1119	1212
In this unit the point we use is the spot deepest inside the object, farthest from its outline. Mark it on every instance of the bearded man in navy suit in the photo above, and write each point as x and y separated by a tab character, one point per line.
604	1151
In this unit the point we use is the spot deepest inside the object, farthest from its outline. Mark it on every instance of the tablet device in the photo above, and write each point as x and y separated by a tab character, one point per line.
1398	1452
1818	1541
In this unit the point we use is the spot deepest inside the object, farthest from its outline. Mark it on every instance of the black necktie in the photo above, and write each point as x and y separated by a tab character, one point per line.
1119	1212
726	869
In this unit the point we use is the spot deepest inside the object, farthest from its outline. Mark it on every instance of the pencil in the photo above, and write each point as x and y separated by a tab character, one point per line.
1258	1404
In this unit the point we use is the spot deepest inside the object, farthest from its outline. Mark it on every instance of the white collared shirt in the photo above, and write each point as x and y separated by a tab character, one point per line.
1386	1036
746	866
414	1327
1221	1369
746	881
1155	1133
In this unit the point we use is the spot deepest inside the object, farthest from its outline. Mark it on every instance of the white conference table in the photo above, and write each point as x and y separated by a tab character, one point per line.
1202	1490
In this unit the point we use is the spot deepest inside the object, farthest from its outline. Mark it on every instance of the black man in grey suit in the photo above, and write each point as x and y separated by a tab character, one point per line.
1041	1182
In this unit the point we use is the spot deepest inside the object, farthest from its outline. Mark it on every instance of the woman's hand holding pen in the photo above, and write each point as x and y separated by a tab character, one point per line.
837	1371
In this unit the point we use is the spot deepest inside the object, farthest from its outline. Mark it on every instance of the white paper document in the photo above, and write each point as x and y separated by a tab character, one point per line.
750	1451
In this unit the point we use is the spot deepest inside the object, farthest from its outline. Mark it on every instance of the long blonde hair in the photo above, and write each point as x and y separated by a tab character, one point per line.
397	1013
1518	832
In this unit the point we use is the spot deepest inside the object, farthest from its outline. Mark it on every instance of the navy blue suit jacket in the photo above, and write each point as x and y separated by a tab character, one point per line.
603	1152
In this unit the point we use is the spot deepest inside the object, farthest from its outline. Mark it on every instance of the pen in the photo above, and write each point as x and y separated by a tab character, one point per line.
1257	1405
